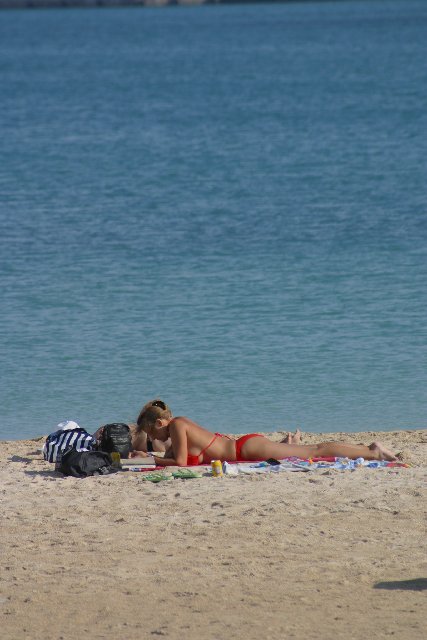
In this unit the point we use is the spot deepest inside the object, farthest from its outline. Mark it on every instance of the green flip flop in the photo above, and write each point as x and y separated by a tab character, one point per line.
156	477
184	474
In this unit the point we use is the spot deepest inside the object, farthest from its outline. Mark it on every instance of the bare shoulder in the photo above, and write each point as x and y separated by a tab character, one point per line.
179	422
182	423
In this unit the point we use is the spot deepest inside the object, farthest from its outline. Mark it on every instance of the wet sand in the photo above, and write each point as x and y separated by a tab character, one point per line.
325	554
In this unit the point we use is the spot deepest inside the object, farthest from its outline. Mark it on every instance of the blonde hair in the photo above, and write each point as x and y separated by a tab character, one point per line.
150	412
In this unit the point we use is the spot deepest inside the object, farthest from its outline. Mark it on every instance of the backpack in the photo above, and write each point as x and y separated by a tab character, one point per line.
116	437
82	464
59	441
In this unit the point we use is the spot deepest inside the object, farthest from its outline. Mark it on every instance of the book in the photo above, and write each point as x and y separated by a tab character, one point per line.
148	462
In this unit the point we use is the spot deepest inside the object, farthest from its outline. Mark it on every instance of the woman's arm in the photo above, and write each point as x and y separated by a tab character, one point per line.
139	442
160	446
166	462
177	455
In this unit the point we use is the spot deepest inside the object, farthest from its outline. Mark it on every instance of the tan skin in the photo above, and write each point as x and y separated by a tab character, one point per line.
189	437
139	442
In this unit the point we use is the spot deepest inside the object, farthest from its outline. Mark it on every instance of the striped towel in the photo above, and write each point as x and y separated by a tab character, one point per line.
67	437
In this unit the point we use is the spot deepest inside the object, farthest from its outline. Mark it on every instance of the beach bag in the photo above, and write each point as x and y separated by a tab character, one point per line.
82	464
116	437
62	440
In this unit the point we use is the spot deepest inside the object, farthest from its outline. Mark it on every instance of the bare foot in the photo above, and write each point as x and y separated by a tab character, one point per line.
383	453
296	439
292	438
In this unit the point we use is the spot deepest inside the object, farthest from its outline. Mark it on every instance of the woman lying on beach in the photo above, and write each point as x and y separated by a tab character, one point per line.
192	444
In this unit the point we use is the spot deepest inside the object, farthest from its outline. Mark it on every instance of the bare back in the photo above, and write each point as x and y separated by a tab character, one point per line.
199	439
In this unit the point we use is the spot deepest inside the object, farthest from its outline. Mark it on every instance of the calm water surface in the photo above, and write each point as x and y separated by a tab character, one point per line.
224	206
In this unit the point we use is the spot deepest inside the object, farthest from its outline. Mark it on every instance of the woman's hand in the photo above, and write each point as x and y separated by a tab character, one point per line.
138	454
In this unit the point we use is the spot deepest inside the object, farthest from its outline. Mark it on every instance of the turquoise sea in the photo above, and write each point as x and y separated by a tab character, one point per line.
224	206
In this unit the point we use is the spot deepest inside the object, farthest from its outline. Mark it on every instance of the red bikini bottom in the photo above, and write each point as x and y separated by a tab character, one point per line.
195	459
241	441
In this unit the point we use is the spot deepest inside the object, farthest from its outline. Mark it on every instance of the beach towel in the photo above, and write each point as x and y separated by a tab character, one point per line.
299	464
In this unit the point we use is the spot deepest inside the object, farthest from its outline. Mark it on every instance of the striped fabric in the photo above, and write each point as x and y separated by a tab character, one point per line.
60	441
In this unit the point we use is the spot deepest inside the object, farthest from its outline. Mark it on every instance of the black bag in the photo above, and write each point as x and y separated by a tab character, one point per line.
81	464
116	437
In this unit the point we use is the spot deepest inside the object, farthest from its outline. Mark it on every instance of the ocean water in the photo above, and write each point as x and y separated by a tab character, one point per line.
223	206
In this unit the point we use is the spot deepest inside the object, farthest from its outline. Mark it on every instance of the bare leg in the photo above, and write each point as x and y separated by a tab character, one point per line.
384	454
262	449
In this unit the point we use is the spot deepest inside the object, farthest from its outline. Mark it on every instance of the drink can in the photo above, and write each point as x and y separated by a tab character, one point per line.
216	468
115	459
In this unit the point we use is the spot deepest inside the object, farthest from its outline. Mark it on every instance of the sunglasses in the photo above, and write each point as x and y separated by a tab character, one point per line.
159	403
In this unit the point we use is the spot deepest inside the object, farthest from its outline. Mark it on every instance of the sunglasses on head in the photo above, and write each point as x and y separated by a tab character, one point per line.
159	403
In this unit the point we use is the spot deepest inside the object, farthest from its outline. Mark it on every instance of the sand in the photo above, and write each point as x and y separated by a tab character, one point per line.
325	554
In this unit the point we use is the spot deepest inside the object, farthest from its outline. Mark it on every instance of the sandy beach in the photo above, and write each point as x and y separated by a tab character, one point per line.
324	554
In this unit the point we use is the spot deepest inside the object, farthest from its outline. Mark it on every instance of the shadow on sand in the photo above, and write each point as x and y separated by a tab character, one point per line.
417	584
46	474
